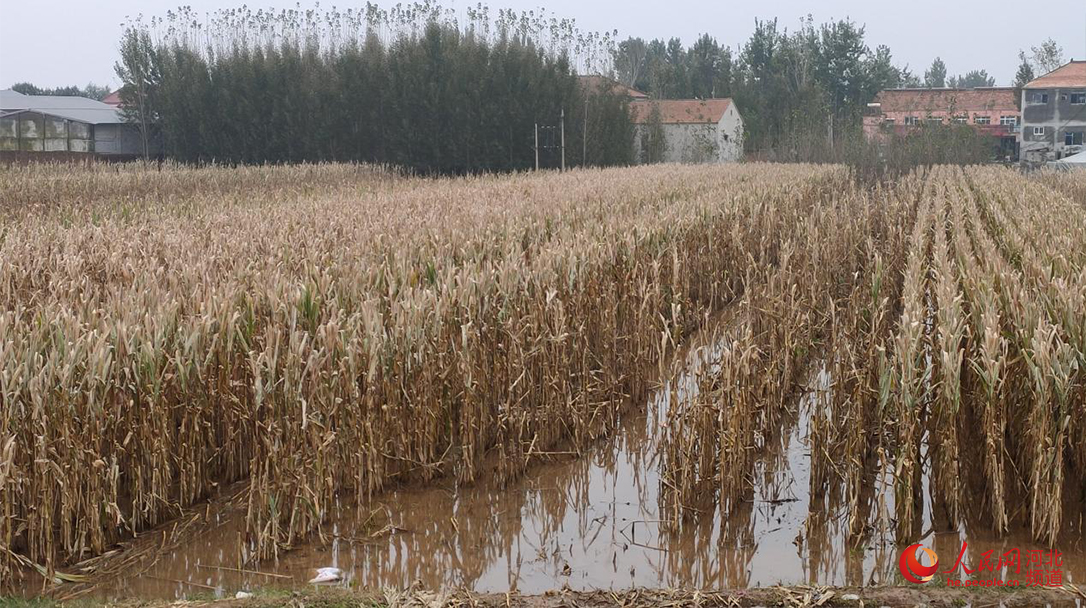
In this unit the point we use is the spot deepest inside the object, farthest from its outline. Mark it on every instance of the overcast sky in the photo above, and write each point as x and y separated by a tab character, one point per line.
72	42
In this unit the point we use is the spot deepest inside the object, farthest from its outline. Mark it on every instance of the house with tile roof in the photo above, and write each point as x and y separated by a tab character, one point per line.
113	99
694	130
594	83
1054	114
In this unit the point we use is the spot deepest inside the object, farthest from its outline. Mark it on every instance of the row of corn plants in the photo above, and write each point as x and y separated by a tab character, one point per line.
763	352
1046	278
953	334
987	362
323	331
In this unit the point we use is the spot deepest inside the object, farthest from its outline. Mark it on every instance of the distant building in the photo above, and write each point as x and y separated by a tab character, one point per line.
54	123
1054	114
695	130
113	99
603	84
991	111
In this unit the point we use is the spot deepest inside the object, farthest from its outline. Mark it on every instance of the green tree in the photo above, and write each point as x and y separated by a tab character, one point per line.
679	83
405	86
1022	77
654	76
1047	57
909	80
709	69
91	91
630	57
138	70
882	71
841	70
762	91
653	138
972	80
1025	71
935	76
27	89
607	134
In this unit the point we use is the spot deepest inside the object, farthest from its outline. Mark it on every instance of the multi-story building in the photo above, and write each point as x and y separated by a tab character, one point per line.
989	110
1054	114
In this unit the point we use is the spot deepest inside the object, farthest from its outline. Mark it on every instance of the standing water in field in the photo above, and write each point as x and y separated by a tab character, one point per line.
586	522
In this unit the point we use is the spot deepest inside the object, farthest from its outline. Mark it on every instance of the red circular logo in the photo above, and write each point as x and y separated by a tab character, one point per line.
913	570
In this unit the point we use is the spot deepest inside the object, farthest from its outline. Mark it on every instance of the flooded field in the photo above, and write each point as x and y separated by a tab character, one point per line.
587	522
696	377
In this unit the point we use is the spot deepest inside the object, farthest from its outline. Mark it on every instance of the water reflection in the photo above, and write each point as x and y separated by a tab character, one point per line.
590	523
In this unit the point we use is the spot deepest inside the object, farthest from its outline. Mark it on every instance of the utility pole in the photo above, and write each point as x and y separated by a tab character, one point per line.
536	148
562	120
584	138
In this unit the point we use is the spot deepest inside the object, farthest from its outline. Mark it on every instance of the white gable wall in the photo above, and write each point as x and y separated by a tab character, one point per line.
692	143
731	135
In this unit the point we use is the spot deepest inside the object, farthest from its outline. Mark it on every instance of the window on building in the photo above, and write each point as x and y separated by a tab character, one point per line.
888	122
1039	98
1072	138
982	120
9	130
911	120
961	120
1008	121
1078	99
79	130
934	120
1038	131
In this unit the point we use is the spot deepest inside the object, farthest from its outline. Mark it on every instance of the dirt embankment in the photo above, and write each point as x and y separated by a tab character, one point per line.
792	597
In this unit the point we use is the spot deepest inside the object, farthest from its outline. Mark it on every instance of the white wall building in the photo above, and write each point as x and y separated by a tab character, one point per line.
1054	114
61	123
695	130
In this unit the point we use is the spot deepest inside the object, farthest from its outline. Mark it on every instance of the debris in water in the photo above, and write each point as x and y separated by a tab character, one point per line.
327	575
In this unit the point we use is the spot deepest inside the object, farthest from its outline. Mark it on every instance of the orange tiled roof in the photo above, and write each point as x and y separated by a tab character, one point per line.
1072	74
113	99
681	111
600	83
945	100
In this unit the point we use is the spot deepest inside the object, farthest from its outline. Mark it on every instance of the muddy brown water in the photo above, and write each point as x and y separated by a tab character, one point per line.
588	522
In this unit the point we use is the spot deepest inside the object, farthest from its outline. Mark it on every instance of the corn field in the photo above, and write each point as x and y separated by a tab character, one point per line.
947	308
321	332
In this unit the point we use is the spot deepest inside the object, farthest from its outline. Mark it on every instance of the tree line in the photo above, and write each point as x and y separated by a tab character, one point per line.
91	91
410	87
419	87
802	92
798	91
